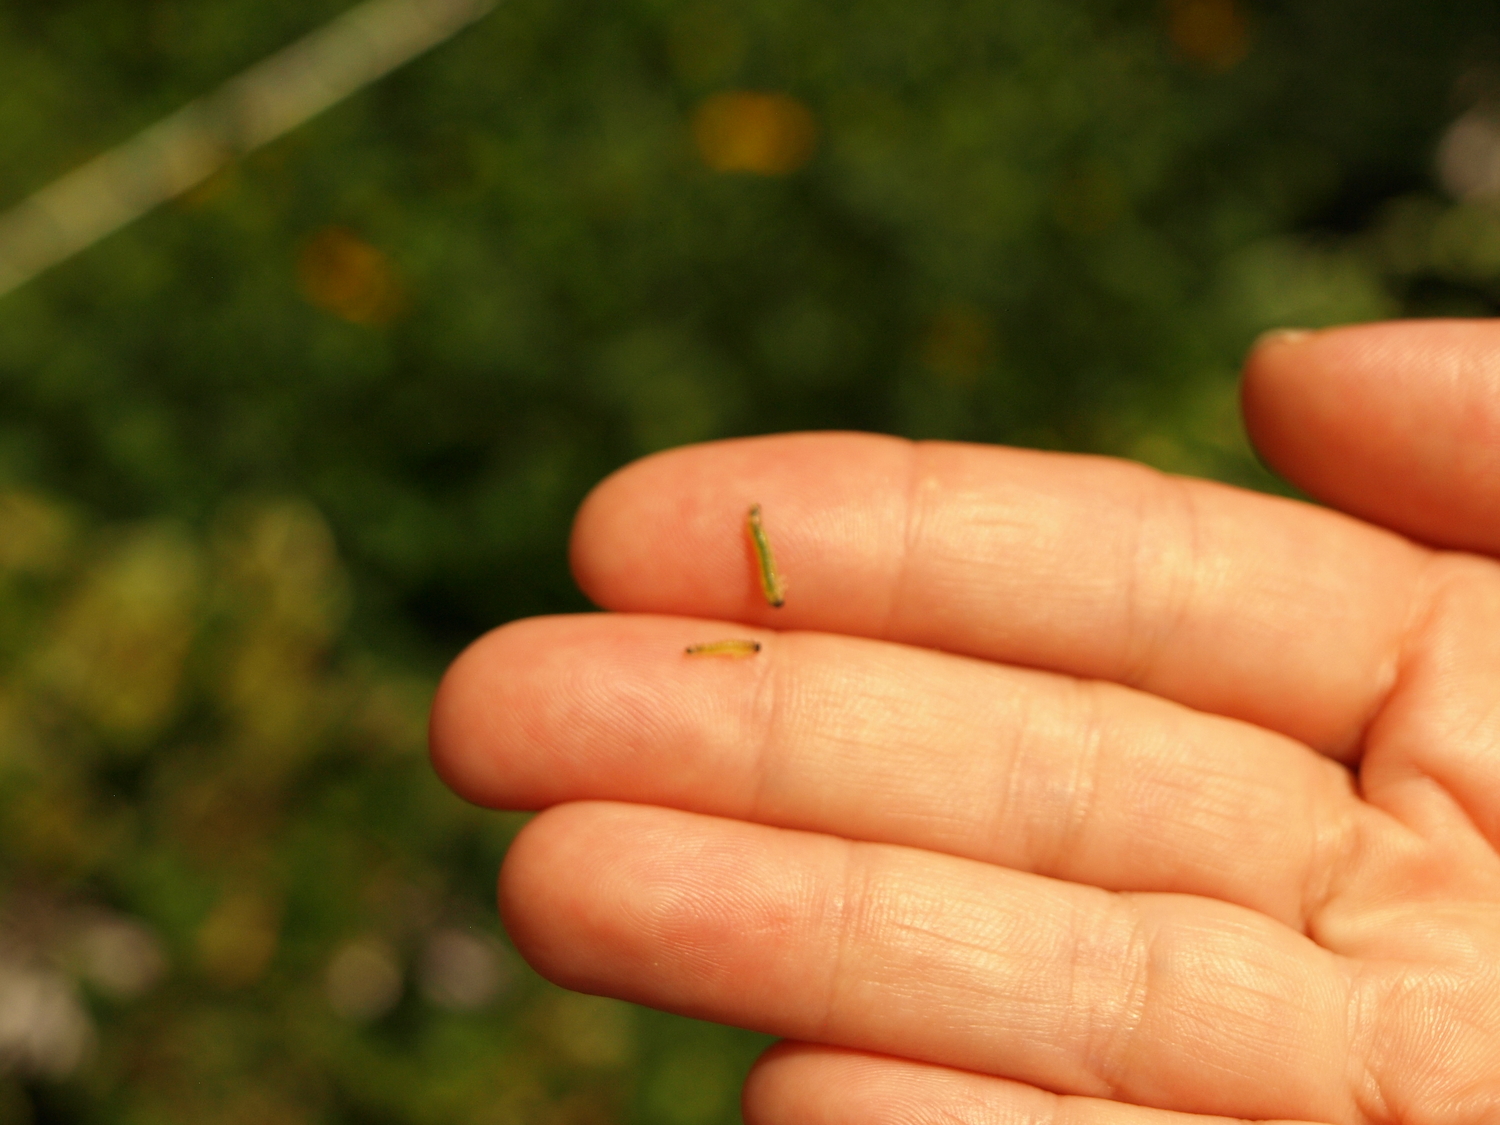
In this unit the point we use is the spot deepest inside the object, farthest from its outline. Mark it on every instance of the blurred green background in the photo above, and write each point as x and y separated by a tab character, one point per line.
271	456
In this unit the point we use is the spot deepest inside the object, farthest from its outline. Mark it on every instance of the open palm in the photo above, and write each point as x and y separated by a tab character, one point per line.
1064	790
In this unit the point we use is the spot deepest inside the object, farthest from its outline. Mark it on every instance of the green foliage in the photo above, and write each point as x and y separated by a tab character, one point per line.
271	455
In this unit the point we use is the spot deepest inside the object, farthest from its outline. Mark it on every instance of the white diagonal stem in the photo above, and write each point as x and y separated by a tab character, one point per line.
252	109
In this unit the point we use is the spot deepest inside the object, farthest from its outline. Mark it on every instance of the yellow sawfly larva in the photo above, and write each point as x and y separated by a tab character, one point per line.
771	581
737	650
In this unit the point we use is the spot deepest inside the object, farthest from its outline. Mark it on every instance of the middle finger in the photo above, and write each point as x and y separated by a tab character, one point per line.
1078	780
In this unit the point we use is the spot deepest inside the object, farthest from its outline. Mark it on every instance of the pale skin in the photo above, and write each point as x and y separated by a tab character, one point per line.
1064	791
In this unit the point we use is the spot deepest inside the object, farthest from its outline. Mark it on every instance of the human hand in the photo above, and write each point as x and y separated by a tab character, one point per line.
1069	792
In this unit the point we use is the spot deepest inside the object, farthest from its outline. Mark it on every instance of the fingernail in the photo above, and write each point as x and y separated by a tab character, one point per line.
1281	336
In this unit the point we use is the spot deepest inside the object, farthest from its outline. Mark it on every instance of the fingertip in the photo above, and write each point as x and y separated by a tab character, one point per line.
543	868
644	904
478	730
1281	337
771	1092
668	533
457	725
570	893
598	521
634	525
1274	358
1398	423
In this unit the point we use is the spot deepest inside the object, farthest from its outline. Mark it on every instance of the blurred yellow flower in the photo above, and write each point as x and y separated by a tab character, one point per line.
363	979
1212	33
747	131
281	583
34	533
238	939
118	649
343	274
959	344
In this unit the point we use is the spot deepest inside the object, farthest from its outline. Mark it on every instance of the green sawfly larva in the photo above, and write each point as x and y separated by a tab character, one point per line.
735	649
770	578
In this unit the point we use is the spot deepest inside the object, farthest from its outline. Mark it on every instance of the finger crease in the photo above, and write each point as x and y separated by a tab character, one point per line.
851	908
1165	513
910	533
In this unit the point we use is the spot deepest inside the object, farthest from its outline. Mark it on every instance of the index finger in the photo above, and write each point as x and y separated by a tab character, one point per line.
1231	602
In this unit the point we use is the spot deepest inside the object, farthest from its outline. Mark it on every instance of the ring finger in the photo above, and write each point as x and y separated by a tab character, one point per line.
1168	1001
802	1084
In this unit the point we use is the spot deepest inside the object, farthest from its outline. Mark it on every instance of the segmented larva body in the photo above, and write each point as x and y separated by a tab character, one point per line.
734	649
771	582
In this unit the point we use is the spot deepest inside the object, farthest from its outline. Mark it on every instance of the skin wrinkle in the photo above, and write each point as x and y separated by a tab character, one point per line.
1114	1062
1161	502
1424	622
1371	835
1256	989
1365	1084
916	457
1218	804
1388	674
1391	994
767	704
1253	993
1009	813
1206	794
1478	729
945	1117
1047	850
851	907
1083	809
1480	725
844	715
989	946
1335	842
1481	1099
936	935
975	831
1420	609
